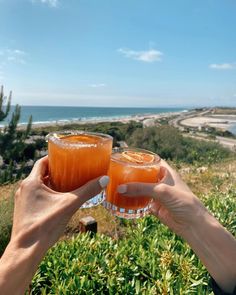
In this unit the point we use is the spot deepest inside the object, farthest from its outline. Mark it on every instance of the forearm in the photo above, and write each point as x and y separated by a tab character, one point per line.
216	248
17	267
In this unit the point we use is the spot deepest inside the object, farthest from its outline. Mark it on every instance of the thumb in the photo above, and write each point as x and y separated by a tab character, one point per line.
90	189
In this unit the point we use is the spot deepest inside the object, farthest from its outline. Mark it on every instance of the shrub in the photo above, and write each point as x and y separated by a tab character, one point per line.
12	141
6	213
150	260
170	144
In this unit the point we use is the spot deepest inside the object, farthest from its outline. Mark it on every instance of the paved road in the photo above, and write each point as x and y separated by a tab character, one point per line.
227	142
177	121
224	141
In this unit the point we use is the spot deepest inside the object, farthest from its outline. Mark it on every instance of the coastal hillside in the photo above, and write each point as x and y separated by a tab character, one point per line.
125	257
140	256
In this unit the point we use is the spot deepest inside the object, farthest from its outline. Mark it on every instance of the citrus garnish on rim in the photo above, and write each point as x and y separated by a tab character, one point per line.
138	157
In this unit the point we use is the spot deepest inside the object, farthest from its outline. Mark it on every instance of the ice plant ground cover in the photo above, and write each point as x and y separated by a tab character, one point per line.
140	257
148	259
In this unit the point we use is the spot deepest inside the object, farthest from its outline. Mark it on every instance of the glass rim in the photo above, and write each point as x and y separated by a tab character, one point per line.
117	150
52	136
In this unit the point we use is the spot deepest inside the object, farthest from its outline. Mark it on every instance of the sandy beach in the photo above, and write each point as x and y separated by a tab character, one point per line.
147	120
179	119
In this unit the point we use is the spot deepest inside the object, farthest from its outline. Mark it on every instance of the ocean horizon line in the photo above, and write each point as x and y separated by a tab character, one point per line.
102	107
130	107
97	118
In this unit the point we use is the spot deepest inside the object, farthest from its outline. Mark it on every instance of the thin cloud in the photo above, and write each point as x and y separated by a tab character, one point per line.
97	85
12	55
51	3
15	55
148	56
223	66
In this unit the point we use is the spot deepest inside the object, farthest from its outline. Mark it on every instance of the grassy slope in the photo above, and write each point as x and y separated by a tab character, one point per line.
148	259
125	260
220	177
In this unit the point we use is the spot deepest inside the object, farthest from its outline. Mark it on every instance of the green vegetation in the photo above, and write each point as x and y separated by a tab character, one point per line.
164	140
170	144
143	258
126	257
4	110
118	130
148	260
6	213
213	132
224	111
13	149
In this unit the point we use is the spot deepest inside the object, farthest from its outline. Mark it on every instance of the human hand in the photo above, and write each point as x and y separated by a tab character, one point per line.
178	208
173	201
40	217
41	214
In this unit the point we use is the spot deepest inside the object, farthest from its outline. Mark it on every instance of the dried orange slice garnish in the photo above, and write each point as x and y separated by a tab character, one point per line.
138	157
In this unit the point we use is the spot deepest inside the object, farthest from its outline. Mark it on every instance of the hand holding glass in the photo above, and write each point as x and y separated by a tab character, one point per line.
130	165
76	157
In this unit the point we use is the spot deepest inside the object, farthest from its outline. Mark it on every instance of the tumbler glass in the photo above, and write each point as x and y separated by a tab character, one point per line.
75	157
130	165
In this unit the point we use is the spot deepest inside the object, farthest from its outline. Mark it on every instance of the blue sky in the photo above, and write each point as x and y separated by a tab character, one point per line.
119	52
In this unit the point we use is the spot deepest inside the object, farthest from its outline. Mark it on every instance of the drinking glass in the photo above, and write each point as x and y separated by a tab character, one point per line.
75	157
130	165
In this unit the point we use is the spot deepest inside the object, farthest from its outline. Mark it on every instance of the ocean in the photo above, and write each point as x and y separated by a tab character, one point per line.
53	114
233	129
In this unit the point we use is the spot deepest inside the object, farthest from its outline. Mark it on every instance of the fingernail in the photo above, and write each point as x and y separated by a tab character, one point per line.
103	181
122	189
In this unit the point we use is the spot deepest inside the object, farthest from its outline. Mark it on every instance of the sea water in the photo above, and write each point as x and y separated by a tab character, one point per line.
53	114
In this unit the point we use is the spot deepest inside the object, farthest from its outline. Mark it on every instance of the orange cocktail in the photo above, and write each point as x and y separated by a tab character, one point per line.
75	157
130	165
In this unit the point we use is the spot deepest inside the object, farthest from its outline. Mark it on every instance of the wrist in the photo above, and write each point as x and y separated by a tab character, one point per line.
20	263
16	257
215	247
195	216
199	223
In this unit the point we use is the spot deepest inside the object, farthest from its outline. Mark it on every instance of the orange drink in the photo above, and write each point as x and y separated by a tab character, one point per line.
75	157
130	165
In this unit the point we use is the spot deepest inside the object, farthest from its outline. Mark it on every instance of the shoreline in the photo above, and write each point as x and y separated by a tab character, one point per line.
122	119
182	118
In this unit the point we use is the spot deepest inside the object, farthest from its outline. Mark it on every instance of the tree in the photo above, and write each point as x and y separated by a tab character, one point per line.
165	140
4	114
12	141
169	143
